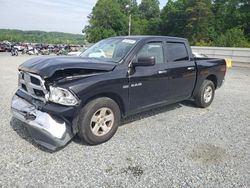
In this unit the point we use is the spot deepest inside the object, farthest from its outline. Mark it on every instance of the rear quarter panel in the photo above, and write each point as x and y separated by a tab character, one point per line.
209	67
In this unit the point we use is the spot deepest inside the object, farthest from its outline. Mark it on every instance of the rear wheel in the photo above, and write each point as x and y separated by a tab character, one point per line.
99	120
205	95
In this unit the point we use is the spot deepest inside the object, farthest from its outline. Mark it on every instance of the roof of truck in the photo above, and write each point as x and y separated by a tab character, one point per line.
148	37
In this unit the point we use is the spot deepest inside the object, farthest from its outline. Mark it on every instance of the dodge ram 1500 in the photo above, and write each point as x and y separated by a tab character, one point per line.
59	97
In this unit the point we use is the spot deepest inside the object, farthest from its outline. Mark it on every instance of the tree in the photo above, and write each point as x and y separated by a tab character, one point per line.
192	19
203	22
232	14
139	26
173	18
133	8
130	7
199	20
106	20
245	18
149	9
40	37
149	13
232	38
227	14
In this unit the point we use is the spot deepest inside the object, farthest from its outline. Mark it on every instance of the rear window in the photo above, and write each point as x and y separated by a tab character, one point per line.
177	52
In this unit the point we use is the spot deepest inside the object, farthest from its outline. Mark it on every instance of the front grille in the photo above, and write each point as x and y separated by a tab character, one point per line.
35	81
33	85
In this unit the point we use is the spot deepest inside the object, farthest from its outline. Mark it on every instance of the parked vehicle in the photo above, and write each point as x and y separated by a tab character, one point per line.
39	46
2	48
44	51
5	47
30	50
59	97
62	51
19	47
33	51
14	51
77	53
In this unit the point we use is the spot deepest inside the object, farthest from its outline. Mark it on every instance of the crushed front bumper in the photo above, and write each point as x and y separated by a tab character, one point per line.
49	131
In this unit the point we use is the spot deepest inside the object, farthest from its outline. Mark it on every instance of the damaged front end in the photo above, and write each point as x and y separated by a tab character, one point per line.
44	101
50	125
46	130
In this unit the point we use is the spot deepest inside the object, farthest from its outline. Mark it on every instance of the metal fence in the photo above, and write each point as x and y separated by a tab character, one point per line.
236	54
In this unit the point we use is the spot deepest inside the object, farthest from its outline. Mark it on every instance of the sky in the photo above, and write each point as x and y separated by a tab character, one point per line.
68	16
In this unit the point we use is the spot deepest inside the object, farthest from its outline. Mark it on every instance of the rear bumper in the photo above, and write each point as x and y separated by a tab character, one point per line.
47	130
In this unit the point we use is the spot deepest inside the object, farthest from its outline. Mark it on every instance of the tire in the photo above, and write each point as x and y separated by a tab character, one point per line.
95	129
205	95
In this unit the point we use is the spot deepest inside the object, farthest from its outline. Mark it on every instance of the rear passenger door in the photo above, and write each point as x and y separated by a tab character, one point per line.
181	71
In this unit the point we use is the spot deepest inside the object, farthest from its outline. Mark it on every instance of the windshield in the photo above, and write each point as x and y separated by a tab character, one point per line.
112	49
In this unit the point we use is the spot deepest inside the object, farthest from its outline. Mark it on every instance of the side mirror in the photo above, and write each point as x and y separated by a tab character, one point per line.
144	61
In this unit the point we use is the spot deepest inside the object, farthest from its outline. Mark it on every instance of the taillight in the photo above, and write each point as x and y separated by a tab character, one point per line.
225	67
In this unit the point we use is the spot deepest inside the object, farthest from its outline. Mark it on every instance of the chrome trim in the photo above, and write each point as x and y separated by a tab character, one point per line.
22	110
190	68
25	78
162	71
208	94
46	130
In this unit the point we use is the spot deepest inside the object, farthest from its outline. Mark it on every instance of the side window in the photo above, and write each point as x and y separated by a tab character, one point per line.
177	51
154	49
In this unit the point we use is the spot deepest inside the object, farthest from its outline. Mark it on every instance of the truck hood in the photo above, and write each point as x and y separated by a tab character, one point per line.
47	66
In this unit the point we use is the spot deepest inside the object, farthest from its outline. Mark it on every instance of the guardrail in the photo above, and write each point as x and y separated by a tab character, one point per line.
236	54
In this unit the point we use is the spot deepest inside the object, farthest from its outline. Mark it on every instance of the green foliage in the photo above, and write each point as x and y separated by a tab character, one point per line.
133	8
173	18
110	18
245	17
139	26
199	17
232	38
203	22
40	37
105	21
203	43
149	9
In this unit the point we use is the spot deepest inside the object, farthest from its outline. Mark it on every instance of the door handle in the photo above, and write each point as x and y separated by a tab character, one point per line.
190	68
162	71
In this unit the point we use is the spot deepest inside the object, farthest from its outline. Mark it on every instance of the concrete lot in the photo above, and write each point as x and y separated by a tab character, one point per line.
175	146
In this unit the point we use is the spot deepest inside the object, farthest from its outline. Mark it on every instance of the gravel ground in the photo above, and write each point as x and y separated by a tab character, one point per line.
175	146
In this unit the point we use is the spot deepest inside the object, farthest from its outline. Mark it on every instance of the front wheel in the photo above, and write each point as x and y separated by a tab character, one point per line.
99	120
205	95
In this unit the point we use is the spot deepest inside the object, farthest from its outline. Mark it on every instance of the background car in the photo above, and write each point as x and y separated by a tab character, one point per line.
5	47
77	53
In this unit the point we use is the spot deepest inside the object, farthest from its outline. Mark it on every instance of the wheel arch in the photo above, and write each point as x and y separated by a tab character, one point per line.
115	97
213	78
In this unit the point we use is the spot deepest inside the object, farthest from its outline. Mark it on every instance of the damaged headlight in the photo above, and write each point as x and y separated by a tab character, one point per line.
62	96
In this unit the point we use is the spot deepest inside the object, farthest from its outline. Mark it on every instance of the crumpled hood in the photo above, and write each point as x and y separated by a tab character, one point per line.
47	66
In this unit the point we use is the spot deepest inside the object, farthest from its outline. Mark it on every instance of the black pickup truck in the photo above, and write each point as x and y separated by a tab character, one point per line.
59	97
